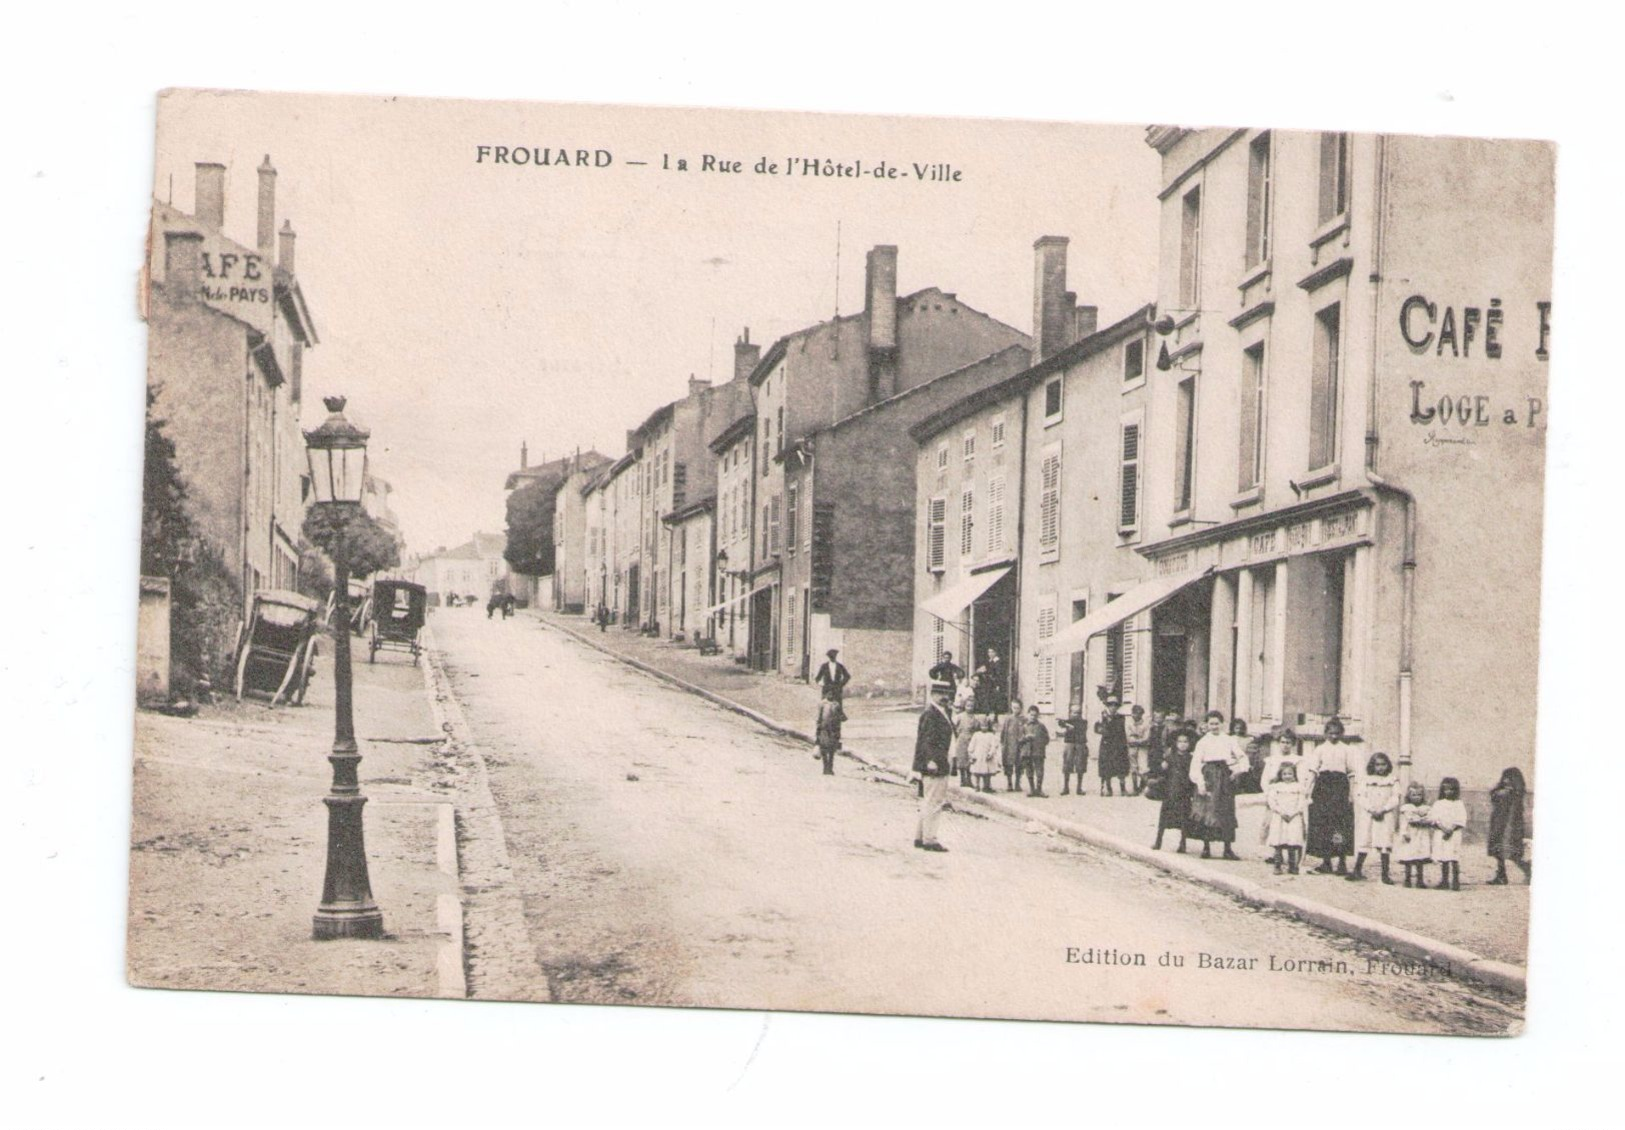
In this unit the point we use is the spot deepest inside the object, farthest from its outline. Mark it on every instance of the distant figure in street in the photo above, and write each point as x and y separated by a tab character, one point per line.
830	717
602	616
1114	755
933	742
832	676
947	671
1010	747
1034	745
508	603
492	605
1074	751
1506	825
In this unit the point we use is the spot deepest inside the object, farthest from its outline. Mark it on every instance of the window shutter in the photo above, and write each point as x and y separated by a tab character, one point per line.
995	514
1049	503
1044	676
967	504
936	533
1128	516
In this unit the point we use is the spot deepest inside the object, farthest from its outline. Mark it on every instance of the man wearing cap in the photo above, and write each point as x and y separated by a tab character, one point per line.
833	676
932	744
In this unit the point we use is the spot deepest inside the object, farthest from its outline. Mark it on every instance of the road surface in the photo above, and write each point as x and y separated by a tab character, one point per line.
670	852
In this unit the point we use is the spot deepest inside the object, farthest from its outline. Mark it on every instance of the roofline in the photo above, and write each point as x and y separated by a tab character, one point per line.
693	508
907	392
1079	350
744	425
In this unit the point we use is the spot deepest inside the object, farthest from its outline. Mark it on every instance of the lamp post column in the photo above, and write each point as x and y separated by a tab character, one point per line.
347	909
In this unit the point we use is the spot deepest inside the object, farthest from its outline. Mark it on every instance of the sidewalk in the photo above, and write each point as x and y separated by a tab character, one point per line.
229	839
1478	932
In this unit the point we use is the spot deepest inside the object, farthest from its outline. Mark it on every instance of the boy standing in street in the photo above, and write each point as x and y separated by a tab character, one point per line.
1034	744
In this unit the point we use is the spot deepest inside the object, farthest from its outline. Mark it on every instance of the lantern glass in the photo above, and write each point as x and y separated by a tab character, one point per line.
337	452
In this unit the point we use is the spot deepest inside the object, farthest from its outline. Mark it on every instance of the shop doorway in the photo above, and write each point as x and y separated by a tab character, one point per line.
993	629
1179	641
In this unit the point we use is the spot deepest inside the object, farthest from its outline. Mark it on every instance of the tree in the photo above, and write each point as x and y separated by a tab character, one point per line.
205	600
530	528
367	547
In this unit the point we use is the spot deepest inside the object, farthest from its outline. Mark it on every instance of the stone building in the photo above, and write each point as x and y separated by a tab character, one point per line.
227	327
1345	437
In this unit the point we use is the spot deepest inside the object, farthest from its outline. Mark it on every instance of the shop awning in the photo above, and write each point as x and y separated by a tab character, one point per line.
1076	636
951	601
715	608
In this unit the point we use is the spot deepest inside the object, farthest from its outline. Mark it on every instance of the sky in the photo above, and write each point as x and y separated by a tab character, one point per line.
465	306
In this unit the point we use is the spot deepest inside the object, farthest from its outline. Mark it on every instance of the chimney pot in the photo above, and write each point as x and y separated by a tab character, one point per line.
265	234
524	455
1051	308
209	206
284	247
1088	320
746	356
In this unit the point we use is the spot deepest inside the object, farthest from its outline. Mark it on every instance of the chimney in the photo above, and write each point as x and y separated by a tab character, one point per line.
746	356
880	296
284	247
265	235
1087	319
181	260
209	207
524	455
1051	308
695	385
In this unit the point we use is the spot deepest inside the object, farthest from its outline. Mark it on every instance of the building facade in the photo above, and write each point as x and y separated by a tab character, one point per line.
735	452
1345	433
227	329
808	382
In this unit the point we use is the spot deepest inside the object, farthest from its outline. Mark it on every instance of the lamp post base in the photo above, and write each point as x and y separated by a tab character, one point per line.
363	920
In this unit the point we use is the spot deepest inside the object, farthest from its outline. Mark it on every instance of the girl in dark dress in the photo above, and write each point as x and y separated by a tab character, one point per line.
1331	802
1113	754
1506	826
1175	813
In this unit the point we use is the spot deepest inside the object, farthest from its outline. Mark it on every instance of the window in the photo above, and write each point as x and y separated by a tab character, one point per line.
1075	698
1185	437
1258	201
776	507
967	445
936	534
781	427
1044	676
1190	250
1134	360
1334	175
767	444
790	625
942	456
967	504
1120	649
1128	510
790	519
1323	389
995	514
1049	505
998	431
1052	401
1251	466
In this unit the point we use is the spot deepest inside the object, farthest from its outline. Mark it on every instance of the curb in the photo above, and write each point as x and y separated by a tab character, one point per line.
1451	960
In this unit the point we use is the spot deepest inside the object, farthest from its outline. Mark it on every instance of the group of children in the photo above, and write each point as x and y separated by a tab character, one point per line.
1016	744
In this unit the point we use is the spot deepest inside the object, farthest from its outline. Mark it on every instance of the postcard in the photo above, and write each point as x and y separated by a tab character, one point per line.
727	559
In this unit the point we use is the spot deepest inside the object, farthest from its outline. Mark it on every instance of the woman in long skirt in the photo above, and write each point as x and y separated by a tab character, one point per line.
1113	755
1331	801
1506	825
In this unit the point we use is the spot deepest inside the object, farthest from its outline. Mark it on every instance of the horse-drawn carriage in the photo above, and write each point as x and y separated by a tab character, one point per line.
398	609
276	646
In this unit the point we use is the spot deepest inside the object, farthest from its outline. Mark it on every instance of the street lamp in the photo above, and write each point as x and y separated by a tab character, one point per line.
338	464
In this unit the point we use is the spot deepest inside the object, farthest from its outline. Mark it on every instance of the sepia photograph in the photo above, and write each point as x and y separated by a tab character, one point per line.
676	557
724	565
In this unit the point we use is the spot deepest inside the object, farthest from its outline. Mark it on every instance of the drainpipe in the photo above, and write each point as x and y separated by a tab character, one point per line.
1021	544
1407	613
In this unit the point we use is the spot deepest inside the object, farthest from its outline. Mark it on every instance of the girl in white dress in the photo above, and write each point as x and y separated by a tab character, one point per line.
1376	808
1286	802
984	752
1448	817
1415	844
